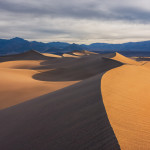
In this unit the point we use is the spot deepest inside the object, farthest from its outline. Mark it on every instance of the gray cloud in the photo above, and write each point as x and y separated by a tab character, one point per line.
83	10
71	20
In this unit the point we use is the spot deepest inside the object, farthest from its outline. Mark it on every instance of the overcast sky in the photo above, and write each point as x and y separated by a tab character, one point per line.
79	21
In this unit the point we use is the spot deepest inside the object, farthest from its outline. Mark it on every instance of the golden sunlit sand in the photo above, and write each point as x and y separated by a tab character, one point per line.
69	55
17	86
21	64
51	55
126	92
125	60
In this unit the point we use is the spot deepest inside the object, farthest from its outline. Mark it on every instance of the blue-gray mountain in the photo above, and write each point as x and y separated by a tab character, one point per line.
19	45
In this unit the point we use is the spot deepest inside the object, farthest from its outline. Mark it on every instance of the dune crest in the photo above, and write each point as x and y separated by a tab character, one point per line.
21	64
125	60
51	55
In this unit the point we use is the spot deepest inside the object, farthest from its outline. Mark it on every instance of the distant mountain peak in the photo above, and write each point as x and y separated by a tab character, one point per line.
18	38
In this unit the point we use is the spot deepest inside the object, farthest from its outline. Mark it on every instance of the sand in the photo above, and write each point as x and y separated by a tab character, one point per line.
21	64
82	53
60	116
69	55
30	74
72	118
125	92
125	60
17	86
78	101
51	55
16	78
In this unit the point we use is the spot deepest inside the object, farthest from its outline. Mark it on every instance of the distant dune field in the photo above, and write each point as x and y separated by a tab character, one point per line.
78	101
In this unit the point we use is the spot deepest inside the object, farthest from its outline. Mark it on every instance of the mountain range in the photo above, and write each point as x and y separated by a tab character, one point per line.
18	45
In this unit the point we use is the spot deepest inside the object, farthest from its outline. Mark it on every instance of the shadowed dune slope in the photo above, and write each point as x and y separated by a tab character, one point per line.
18	82
126	93
72	118
29	55
79	69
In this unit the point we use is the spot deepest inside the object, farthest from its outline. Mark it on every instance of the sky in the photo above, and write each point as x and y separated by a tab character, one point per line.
76	21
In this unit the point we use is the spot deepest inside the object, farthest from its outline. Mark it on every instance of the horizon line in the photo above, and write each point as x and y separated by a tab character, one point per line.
72	42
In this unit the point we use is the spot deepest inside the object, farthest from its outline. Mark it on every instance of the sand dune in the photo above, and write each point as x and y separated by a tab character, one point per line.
21	64
82	68
125	92
56	102
125	60
17	83
72	118
69	118
69	55
17	86
51	55
23	78
29	55
82	52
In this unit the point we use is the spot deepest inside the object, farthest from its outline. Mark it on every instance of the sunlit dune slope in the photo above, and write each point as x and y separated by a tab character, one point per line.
21	64
69	55
125	60
82	52
51	55
17	85
126	96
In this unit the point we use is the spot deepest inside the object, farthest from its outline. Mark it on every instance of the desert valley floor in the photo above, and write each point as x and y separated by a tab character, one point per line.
78	101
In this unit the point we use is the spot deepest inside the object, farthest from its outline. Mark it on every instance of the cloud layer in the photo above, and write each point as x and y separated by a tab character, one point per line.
84	21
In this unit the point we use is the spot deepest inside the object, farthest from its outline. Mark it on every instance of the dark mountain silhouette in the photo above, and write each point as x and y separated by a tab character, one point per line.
73	47
19	45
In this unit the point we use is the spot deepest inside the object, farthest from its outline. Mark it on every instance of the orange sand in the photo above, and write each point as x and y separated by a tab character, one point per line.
17	85
21	64
69	55
126	96
125	60
51	55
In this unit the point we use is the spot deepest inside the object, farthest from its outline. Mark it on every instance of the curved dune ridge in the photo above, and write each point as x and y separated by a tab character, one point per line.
16	78
126	92
73	117
125	60
31	74
76	102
